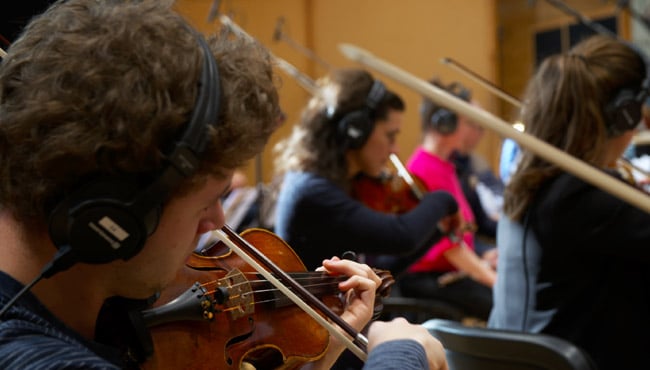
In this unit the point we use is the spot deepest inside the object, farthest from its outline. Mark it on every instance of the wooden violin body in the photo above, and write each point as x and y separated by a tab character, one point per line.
236	316
389	194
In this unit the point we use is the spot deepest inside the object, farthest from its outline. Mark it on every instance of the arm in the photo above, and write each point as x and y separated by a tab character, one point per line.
467	261
400	345
405	234
316	216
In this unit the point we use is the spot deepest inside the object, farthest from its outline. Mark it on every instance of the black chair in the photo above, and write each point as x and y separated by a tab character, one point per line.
475	348
419	310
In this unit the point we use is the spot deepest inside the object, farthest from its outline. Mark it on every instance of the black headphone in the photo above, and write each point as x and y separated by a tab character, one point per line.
623	112
355	127
443	120
109	219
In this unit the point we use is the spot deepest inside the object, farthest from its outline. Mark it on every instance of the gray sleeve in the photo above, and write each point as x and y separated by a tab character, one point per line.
404	354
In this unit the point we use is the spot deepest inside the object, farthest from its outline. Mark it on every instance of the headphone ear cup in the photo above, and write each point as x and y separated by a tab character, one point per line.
355	128
623	113
99	225
444	121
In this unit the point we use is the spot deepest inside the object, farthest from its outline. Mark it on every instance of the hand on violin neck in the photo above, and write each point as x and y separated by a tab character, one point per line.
360	288
452	224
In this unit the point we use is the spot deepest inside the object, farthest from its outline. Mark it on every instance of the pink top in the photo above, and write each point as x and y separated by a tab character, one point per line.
438	174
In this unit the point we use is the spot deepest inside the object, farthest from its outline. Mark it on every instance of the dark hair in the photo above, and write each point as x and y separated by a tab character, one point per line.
564	106
428	108
313	145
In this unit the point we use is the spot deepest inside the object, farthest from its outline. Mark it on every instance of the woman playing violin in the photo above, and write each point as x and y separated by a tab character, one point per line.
119	135
347	132
573	259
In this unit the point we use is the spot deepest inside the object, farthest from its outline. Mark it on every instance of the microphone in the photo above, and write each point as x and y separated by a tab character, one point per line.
214	10
277	32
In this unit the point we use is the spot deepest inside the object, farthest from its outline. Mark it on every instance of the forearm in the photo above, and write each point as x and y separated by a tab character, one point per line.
467	261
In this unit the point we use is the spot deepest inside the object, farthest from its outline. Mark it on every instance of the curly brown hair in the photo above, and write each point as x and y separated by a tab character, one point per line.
564	106
315	144
101	88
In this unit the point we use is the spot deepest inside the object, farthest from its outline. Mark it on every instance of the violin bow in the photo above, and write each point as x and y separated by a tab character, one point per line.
228	236
540	148
480	79
406	175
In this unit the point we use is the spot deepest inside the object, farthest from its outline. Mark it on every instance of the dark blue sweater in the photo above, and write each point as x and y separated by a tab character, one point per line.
318	219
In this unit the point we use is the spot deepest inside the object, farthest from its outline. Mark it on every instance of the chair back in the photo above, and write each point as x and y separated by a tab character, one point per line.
478	348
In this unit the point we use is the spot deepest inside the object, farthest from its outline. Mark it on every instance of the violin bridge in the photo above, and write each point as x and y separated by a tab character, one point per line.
241	301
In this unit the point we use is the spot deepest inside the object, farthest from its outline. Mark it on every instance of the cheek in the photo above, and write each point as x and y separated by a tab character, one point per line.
371	154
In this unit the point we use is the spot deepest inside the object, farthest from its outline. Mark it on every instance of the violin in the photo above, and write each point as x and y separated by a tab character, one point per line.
387	193
390	193
221	313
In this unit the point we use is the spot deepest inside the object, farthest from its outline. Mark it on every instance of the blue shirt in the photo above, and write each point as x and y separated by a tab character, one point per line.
508	160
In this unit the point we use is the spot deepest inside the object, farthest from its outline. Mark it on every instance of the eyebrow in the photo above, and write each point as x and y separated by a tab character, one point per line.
225	191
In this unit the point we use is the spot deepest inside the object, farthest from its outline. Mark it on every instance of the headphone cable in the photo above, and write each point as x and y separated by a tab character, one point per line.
63	260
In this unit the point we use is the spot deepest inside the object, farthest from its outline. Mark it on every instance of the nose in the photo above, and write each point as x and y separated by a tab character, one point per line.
394	148
212	219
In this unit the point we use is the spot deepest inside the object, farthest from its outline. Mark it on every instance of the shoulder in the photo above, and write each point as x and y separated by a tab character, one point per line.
573	204
305	180
567	189
305	184
27	345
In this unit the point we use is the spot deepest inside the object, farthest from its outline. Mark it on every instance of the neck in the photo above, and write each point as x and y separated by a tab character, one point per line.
353	166
438	146
24	253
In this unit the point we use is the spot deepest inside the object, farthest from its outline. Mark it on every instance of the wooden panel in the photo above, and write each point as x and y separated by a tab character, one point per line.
413	34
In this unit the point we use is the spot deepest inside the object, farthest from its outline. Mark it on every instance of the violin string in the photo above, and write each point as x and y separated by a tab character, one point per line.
255	303
305	277
272	290
329	287
308	286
